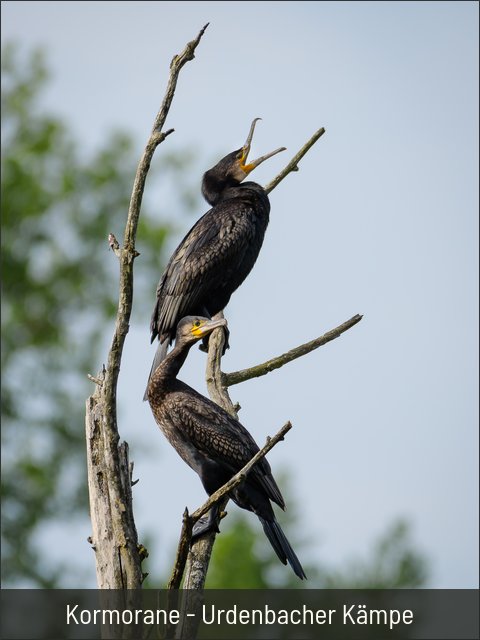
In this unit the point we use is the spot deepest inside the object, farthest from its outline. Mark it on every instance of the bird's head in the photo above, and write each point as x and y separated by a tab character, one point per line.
240	164
193	328
233	168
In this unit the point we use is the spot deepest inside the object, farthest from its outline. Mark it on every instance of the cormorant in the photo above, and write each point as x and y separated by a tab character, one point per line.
212	442
218	252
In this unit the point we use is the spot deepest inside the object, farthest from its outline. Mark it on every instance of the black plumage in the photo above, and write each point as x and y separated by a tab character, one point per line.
218	253
211	441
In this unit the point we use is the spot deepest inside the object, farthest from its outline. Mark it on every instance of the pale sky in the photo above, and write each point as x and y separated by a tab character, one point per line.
382	219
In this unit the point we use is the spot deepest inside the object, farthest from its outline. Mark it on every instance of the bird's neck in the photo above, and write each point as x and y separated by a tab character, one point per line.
214	187
169	368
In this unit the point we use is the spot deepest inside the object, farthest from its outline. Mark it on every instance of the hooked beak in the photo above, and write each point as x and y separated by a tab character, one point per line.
209	326
246	150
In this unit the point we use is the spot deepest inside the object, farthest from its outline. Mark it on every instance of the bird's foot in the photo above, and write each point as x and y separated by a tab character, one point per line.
226	344
203	346
208	522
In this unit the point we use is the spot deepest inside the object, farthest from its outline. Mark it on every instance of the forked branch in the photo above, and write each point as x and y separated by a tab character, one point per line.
293	164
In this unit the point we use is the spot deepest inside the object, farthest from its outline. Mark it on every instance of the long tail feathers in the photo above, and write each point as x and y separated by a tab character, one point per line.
282	547
160	354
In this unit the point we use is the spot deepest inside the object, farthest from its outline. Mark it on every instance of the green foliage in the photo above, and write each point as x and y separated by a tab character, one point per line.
59	295
236	564
394	564
243	559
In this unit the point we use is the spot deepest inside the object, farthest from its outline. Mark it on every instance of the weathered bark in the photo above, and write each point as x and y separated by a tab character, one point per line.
114	538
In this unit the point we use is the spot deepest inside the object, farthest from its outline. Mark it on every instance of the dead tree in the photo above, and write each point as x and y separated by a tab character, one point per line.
114	537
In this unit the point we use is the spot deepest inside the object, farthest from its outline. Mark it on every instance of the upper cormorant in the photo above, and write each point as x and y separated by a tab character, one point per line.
212	442
218	253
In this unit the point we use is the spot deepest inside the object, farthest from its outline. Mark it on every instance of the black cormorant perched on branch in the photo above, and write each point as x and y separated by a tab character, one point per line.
212	442
218	253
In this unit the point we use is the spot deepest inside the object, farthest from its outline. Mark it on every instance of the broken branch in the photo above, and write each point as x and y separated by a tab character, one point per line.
229	379
293	164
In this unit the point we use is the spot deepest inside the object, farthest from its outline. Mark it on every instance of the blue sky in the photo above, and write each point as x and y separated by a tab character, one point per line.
382	219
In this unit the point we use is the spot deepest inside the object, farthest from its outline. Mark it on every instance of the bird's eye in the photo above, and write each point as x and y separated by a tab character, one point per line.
239	155
197	323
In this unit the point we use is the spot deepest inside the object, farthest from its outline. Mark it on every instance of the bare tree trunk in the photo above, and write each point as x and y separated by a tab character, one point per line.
115	540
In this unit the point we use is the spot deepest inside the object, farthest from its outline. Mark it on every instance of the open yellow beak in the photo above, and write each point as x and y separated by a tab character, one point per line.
246	150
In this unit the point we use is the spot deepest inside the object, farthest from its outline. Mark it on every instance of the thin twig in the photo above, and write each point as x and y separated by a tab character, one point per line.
175	66
182	552
293	164
214	499
97	380
229	379
114	245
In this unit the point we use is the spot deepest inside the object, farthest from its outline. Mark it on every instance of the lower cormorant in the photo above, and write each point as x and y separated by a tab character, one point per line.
212	442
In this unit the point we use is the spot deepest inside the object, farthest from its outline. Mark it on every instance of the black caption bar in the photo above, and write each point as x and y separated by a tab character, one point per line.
303	614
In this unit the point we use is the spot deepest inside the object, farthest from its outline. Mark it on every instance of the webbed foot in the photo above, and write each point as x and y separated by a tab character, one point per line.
204	344
208	522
